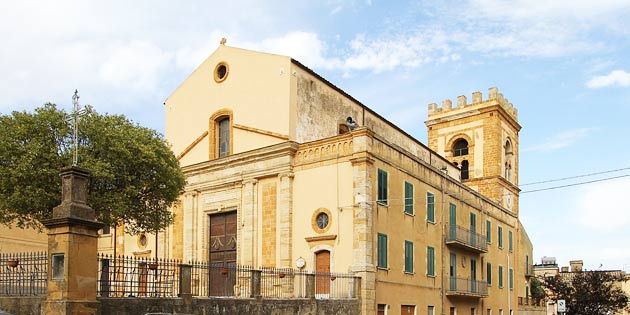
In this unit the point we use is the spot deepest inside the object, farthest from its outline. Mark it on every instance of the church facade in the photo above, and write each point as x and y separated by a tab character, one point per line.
284	169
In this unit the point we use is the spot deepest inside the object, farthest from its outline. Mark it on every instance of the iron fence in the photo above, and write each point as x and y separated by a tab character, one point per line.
23	274
137	277
231	280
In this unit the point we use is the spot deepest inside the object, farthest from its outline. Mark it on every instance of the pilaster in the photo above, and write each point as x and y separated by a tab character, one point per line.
363	226
248	219
190	204
285	219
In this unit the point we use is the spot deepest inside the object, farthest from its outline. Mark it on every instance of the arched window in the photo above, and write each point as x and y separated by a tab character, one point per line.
223	136
460	147
464	169
509	159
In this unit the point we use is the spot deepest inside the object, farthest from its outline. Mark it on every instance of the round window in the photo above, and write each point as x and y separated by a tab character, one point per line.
221	72
322	220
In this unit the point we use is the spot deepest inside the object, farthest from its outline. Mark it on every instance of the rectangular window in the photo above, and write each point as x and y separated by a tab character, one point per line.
510	240
223	137
408	309
500	276
431	310
430	261
511	278
382	187
408	198
430	207
488	312
382	251
489	273
488	232
500	237
106	230
408	256
381	309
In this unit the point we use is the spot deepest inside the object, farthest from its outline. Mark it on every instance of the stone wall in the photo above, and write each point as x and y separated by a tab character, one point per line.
22	305
205	306
212	306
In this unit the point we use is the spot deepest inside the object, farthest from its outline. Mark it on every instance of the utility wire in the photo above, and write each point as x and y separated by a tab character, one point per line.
575	184
577	176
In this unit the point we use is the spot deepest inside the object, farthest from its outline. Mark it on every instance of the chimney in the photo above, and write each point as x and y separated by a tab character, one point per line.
576	265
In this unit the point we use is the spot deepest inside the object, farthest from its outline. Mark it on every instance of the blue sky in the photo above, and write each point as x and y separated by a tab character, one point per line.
565	64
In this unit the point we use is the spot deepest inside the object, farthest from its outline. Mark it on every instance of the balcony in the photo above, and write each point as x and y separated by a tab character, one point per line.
529	301
467	288
529	271
466	239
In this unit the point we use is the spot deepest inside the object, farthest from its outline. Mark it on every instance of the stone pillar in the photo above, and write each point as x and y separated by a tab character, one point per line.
248	219
285	219
185	283
363	219
72	250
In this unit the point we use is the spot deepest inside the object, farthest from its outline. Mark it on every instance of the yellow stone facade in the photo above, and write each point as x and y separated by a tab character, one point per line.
293	158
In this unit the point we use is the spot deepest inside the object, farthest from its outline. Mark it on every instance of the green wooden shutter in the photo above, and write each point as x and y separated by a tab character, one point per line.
408	256
500	276
382	251
430	207
510	240
382	186
489	273
488	232
511	278
430	261
500	237
408	198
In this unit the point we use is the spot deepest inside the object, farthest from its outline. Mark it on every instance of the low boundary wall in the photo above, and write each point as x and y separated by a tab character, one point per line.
198	306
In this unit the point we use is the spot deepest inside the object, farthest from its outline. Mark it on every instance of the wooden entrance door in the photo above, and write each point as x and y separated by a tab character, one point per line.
322	268
222	272
407	310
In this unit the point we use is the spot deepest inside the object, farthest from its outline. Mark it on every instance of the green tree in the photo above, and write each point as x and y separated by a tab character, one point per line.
538	292
588	292
135	176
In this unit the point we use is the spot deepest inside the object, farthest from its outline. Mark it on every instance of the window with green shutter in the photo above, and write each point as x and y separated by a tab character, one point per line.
489	273
488	232
500	237
408	198
382	187
430	261
511	278
382	251
430	207
500	276
408	256
510	240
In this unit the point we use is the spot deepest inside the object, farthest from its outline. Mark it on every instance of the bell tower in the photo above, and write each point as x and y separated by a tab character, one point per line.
481	138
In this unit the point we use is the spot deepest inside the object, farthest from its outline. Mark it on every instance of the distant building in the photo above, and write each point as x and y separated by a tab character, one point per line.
549	268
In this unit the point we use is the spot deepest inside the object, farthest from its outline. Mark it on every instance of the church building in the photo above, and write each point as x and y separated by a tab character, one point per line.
285	169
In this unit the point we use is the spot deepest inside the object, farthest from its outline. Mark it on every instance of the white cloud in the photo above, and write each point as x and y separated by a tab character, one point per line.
616	77
603	206
137	65
561	140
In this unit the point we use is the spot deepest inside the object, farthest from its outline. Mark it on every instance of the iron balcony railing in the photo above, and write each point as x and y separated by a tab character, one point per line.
462	237
23	274
468	287
529	271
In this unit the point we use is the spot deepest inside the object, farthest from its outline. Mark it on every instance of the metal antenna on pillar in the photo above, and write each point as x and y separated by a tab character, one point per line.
73	119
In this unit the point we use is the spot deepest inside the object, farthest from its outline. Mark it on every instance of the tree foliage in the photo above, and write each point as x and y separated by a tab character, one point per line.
538	292
135	176
588	292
